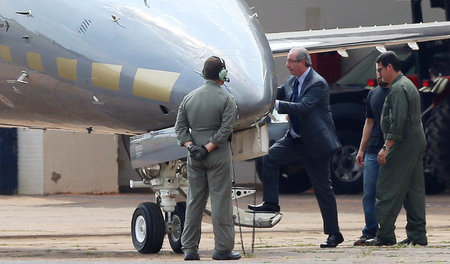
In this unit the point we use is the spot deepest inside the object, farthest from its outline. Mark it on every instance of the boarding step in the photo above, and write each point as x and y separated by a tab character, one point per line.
239	192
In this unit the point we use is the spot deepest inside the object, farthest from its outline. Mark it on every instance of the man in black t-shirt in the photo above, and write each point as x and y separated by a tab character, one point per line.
371	142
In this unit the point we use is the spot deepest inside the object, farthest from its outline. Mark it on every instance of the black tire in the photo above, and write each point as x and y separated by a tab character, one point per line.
437	155
174	236
293	178
147	228
346	175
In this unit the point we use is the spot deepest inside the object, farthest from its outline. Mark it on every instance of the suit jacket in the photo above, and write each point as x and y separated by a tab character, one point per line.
312	110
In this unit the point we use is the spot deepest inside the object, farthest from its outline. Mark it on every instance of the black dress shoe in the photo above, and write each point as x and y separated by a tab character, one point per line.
226	256
408	241
333	240
265	207
377	241
191	256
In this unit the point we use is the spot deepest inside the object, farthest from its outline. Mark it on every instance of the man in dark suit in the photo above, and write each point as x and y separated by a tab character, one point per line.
311	138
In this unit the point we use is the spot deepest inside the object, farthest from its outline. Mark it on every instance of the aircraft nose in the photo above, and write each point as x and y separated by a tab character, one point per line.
251	70
186	35
238	38
253	84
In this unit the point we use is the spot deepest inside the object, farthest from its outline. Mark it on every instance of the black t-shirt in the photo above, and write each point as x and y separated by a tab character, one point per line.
375	101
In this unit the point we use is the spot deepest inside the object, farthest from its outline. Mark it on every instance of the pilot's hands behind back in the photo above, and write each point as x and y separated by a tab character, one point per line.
198	152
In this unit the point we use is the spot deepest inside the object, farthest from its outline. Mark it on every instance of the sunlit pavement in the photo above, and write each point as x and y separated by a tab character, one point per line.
96	229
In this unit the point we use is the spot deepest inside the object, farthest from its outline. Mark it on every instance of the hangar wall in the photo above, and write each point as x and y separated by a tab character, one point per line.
66	162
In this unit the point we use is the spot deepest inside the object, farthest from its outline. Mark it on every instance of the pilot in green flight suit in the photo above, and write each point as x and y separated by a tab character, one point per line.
400	180
204	125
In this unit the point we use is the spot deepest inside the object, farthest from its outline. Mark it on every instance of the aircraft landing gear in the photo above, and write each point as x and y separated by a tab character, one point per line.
168	179
175	226
147	228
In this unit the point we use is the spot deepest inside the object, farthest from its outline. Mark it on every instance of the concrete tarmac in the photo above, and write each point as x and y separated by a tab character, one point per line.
96	229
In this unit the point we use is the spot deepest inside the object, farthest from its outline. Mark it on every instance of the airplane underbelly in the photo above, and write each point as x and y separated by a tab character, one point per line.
39	101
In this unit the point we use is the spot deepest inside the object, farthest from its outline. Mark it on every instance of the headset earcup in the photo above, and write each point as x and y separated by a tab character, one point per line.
223	75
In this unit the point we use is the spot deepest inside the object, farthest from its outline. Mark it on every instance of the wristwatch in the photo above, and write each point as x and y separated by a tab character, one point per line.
385	147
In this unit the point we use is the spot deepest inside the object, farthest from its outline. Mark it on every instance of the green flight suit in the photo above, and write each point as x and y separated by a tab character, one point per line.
207	114
401	180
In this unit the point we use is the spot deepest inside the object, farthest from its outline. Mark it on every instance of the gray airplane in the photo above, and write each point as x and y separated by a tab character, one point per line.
124	66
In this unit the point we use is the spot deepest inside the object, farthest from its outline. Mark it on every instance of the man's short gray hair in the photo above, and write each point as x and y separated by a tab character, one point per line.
302	54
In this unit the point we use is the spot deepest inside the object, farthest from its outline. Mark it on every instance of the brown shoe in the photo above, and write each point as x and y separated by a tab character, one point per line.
361	241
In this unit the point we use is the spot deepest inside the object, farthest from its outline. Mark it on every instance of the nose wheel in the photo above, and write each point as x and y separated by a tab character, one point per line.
176	228
147	228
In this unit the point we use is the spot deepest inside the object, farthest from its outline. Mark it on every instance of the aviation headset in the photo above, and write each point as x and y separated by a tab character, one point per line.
223	71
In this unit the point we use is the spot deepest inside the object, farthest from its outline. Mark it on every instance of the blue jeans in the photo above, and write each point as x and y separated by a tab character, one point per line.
370	175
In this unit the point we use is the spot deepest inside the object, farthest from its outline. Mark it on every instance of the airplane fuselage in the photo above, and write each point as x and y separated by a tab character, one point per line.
124	66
